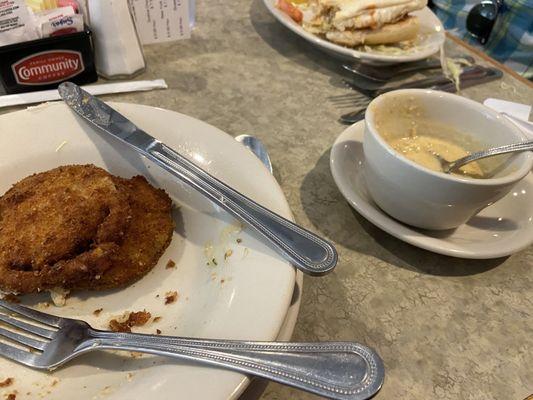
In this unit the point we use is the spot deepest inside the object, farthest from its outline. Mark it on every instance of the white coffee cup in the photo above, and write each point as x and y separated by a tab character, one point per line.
428	199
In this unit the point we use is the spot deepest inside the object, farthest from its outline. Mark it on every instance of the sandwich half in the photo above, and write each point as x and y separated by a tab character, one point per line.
357	22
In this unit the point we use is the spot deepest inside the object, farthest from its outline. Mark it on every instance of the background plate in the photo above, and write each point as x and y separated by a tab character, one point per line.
430	27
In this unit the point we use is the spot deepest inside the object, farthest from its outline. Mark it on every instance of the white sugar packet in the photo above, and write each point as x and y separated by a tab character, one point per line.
161	21
16	23
106	88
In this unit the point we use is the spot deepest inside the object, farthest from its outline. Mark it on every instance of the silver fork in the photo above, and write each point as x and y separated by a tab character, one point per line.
338	370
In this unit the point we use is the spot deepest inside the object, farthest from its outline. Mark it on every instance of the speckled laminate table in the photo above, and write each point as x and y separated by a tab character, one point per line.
446	328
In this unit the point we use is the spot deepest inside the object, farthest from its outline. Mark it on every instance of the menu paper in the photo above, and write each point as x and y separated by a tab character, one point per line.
161	20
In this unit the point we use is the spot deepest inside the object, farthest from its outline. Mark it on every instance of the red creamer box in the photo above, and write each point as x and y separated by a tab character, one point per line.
45	63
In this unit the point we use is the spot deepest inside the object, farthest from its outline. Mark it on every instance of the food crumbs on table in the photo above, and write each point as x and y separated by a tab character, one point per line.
6	382
170	264
97	312
129	320
171	297
228	254
63	143
239	240
157	319
158	331
11	298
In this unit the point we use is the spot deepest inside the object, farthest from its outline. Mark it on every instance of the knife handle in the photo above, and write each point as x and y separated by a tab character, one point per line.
308	252
471	78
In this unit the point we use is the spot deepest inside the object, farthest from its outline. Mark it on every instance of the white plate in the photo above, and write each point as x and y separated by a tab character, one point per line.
246	297
499	230
430	27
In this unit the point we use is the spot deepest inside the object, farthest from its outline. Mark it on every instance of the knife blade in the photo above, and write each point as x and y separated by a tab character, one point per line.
307	251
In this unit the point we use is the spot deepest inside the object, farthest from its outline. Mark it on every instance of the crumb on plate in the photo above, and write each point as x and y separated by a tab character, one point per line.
6	382
157	319
64	142
158	331
170	264
97	312
11	298
171	297
129	320
59	296
228	254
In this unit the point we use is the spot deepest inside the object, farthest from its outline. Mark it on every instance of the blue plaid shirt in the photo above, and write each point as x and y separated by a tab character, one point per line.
511	40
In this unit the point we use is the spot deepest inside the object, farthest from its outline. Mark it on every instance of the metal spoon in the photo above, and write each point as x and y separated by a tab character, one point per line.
257	147
449	166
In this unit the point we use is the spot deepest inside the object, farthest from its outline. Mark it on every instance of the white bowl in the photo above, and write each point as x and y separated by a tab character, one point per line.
427	199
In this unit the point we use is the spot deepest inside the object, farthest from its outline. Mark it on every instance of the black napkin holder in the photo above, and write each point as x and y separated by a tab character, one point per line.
44	63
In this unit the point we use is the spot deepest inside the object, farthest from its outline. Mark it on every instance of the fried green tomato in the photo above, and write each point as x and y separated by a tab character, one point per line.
78	227
59	227
148	235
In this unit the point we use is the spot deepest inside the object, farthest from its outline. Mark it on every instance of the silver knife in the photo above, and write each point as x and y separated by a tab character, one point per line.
308	252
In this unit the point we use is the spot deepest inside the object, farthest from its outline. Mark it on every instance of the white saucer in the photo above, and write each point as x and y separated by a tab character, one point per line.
499	230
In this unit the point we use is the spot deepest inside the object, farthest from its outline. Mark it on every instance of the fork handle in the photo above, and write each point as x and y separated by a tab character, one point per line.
338	370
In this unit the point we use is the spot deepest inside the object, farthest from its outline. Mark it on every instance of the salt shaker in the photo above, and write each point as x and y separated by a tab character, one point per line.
118	51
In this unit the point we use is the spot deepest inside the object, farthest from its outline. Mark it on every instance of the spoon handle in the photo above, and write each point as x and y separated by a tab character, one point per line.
508	148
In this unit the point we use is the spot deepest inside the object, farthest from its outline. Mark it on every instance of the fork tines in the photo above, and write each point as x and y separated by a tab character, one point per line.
20	337
351	99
